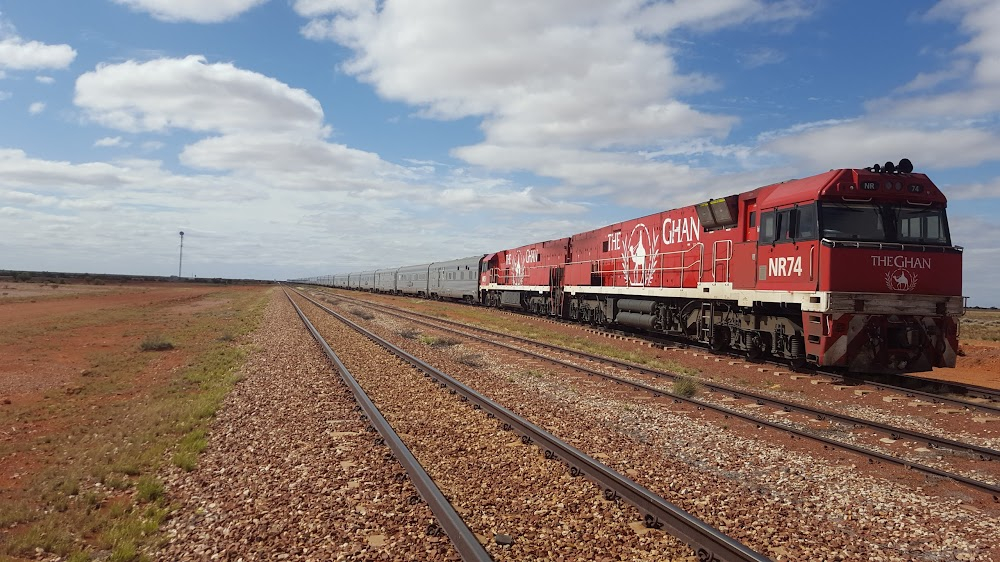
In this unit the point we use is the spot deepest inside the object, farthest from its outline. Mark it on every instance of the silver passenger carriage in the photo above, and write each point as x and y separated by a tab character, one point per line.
385	280
455	279
366	280
412	280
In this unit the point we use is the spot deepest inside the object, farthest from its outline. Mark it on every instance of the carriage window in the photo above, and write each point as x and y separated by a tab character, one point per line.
753	219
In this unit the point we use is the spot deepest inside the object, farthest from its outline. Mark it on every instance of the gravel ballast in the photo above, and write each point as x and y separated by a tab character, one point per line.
776	496
290	473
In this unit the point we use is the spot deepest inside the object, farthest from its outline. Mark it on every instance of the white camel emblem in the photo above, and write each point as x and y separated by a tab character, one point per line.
901	280
640	271
639	259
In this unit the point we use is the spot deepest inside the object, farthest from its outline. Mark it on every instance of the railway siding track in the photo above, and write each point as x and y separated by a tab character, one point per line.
708	543
984	400
892	432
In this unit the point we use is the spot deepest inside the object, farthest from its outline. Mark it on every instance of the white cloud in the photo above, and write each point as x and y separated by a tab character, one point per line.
45	79
198	11
314	8
854	144
979	190
18	54
5	95
940	119
192	94
535	72
975	70
36	108
111	141
761	57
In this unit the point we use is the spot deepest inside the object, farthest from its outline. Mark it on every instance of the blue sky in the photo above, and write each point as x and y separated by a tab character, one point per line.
291	138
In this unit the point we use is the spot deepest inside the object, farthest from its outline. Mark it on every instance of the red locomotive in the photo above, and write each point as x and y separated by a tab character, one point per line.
852	269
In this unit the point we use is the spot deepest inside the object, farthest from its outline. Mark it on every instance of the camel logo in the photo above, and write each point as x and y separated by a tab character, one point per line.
518	269
639	256
901	280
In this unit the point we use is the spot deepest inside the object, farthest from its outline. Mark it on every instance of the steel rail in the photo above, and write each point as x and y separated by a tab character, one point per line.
728	412
874	380
709	543
981	392
984	393
461	536
984	453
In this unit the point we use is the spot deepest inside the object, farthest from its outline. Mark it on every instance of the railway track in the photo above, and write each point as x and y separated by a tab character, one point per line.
708	543
892	432
986	400
449	520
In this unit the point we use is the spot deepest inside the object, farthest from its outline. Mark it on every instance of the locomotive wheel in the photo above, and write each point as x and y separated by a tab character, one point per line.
720	339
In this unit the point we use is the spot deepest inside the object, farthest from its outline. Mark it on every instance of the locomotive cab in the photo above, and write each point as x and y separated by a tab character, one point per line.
890	275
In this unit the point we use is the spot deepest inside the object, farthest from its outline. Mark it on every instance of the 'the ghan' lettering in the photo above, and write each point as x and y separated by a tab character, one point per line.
912	262
681	230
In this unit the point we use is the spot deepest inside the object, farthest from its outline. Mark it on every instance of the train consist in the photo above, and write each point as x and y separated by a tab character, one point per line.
851	269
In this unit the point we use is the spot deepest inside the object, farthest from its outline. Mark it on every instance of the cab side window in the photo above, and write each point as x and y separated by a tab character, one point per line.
788	225
768	228
807	227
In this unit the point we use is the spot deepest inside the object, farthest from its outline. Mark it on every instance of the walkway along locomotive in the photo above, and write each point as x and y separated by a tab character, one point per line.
851	269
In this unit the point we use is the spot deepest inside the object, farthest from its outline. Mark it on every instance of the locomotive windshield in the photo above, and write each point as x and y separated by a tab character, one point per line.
871	222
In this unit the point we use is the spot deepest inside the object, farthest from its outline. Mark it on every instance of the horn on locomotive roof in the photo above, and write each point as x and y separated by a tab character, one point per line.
904	167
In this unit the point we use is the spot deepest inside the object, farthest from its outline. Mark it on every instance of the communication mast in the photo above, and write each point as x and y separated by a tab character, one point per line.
180	260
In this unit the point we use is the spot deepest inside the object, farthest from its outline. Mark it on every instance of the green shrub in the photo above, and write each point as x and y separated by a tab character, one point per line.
686	386
472	360
362	313
156	343
149	489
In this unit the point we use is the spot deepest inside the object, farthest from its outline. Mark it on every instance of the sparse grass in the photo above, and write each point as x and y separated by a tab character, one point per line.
409	333
686	386
473	360
61	509
534	373
189	448
978	324
149	489
15	513
436	341
156	343
362	313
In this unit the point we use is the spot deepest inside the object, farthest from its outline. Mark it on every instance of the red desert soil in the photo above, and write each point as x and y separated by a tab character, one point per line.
52	339
49	339
979	366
